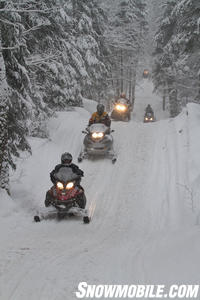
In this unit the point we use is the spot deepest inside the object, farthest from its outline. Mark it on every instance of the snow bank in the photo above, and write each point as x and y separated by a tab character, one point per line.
171	256
8	206
194	155
89	105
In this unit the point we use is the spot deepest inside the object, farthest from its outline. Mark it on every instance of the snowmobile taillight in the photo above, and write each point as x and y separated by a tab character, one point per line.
69	186
121	107
97	135
60	186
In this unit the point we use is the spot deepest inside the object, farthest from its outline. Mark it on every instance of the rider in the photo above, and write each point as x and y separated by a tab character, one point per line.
123	96
100	116
149	109
66	162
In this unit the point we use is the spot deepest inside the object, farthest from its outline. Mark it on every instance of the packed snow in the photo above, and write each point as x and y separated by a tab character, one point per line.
145	209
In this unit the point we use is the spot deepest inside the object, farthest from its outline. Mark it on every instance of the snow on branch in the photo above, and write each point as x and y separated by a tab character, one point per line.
33	28
9	23
27	10
198	25
41	61
9	48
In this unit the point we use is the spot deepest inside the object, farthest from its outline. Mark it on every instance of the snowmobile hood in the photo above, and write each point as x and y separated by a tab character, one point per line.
121	101
98	127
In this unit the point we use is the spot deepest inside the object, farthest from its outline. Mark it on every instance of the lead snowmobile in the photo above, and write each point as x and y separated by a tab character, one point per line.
97	142
66	196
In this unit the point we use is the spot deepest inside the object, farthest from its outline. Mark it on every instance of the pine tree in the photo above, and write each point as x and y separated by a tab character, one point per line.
125	35
53	56
176	54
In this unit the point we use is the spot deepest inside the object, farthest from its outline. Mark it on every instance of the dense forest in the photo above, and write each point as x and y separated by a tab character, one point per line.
54	53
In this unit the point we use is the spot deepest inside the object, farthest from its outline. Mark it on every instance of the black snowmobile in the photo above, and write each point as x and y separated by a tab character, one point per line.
97	142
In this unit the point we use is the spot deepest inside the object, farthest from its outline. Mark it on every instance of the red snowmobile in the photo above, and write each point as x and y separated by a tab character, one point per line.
67	196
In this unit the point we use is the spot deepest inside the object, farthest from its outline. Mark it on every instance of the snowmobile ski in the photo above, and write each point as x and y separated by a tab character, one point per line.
72	212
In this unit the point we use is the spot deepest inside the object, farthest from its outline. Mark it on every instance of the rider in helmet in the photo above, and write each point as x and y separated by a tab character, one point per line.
66	161
123	96
149	109
100	116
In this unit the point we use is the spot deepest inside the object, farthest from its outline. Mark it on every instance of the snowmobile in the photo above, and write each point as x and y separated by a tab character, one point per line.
97	142
121	110
145	73
66	196
149	117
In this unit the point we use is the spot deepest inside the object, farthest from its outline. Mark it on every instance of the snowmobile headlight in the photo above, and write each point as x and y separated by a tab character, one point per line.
100	135
121	107
97	135
151	119
69	185
60	186
146	119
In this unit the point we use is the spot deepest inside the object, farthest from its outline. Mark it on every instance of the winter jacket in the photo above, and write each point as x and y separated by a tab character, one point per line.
149	110
96	118
74	168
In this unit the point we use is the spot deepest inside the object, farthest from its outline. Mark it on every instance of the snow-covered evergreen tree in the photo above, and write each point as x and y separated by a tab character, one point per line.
65	51
54	55
125	35
176	66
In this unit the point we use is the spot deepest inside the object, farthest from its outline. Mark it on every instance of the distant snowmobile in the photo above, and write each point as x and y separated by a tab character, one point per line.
149	117
97	142
145	73
66	196
121	110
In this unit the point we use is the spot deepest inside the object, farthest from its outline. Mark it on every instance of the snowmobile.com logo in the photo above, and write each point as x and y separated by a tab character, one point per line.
136	291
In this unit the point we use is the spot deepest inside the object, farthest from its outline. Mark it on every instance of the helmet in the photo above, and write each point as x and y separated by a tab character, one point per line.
66	158
123	95
100	109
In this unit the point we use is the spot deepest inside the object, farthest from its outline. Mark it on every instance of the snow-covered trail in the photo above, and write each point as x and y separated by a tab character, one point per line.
138	202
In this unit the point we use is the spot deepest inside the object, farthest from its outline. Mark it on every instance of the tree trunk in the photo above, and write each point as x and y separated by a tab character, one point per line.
121	75
4	166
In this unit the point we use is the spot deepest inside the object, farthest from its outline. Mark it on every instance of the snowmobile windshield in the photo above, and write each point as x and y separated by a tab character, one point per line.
121	101
66	174
98	127
149	114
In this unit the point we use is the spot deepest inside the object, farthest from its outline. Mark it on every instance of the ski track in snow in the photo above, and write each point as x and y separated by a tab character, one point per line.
141	204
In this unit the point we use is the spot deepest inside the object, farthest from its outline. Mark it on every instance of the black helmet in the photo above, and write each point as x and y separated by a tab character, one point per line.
100	109
66	158
123	95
